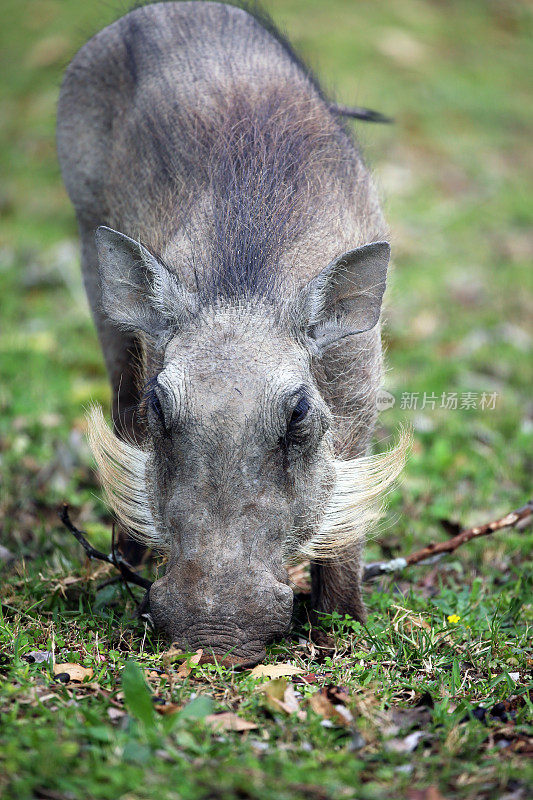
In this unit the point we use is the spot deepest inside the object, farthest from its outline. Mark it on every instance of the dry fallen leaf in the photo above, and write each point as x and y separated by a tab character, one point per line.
274	671
185	669
228	721
322	705
75	671
309	677
290	703
280	696
274	692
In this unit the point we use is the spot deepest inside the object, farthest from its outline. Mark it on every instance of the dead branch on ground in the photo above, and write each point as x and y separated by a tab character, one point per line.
113	558
436	550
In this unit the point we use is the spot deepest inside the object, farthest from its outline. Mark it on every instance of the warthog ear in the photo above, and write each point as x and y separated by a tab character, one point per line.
138	292
345	298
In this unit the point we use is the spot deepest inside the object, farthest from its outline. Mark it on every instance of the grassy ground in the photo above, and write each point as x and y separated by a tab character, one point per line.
441	644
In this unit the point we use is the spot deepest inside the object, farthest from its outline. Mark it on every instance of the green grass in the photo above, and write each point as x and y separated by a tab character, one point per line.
453	173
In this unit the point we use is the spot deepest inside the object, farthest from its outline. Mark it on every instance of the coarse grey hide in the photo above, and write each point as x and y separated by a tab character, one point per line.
235	259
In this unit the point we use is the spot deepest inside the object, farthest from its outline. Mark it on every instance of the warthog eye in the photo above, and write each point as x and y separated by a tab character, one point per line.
296	435
299	413
306	424
155	405
153	402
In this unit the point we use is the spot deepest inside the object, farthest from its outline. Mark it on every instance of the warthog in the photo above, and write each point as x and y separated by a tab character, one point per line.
235	257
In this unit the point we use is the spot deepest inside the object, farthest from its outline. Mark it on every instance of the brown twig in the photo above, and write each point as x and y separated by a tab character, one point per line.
115	558
509	521
438	549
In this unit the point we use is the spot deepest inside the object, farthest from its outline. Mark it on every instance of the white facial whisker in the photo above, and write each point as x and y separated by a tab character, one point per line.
356	503
122	469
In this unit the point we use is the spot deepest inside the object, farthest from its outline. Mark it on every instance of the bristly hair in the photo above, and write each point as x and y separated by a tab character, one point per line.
235	175
356	504
258	12
264	185
122	470
354	507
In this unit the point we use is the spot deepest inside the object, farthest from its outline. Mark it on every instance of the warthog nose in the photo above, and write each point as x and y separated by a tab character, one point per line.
220	645
230	622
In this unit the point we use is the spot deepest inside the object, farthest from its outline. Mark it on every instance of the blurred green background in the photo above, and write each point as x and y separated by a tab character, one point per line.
453	172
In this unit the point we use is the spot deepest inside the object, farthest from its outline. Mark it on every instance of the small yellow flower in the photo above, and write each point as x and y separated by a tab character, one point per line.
453	618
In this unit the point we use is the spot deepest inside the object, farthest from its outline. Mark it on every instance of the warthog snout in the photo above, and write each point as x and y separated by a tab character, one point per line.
230	616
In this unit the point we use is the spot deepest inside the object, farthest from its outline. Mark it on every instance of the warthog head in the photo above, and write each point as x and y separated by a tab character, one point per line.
236	473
